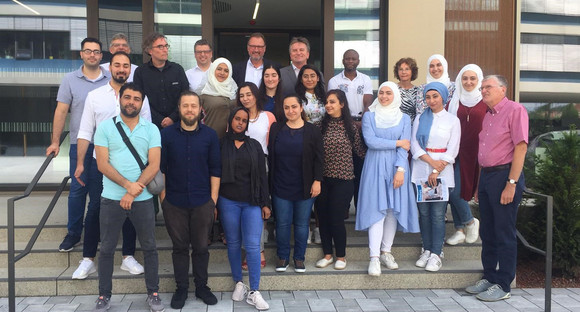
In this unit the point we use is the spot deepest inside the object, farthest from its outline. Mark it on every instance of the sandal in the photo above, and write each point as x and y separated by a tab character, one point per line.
262	262
244	265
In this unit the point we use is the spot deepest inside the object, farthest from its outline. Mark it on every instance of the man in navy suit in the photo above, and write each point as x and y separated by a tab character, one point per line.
251	70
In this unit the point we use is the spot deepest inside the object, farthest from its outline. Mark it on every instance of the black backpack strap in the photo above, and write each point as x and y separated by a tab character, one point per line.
129	144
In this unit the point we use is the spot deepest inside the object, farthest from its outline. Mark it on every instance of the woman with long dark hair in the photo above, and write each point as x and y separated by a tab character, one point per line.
312	92
271	91
340	138
296	161
244	200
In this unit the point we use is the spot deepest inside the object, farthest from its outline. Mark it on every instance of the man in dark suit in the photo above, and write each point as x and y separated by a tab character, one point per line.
252	69
299	54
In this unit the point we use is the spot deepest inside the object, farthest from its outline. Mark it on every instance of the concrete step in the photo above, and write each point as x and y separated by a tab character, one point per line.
50	281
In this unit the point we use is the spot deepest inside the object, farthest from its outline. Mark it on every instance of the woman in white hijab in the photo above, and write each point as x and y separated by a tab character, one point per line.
218	96
389	201
437	71
468	106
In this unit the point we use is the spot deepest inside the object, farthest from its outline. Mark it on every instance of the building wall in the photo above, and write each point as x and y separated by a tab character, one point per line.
416	28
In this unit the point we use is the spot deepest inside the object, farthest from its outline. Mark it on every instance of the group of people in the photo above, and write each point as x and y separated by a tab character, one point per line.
252	140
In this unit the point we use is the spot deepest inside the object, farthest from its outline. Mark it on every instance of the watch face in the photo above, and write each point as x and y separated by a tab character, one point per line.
512	181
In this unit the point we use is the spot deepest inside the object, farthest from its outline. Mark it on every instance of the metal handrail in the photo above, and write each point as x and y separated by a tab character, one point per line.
12	257
548	251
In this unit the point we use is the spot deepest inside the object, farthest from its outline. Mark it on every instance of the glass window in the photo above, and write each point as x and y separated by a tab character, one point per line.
356	26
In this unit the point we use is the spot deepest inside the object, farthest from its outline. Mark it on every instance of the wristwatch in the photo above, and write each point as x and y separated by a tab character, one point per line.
512	181
435	171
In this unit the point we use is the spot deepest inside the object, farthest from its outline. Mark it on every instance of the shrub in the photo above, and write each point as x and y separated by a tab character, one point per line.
557	173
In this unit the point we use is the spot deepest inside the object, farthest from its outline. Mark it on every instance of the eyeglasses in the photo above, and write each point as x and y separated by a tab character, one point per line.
256	46
203	52
161	47
89	52
116	45
487	87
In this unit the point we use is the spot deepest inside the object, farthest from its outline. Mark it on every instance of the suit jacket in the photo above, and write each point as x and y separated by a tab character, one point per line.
288	80
239	69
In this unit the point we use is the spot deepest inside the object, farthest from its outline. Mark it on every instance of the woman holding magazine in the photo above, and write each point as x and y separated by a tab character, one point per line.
434	146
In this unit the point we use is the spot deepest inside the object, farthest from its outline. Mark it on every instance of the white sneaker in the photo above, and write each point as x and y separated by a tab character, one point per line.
375	267
316	236
388	260
422	262
240	292
433	264
255	299
457	238
86	268
472	231
132	266
323	263
340	264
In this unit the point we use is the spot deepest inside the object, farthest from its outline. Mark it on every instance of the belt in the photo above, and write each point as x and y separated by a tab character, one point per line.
497	168
436	150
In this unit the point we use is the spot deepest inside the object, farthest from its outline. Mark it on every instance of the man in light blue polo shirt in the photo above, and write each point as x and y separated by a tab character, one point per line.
71	96
125	193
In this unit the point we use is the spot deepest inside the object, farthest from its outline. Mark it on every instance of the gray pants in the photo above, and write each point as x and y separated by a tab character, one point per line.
112	217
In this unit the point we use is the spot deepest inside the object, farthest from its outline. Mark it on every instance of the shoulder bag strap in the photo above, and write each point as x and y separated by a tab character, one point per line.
129	144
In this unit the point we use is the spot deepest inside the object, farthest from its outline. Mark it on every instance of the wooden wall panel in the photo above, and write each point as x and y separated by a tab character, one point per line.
481	32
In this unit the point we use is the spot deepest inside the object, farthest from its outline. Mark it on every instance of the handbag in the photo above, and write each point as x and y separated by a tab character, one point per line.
156	185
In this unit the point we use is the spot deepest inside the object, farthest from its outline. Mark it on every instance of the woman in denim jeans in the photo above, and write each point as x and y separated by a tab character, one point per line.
434	145
295	159
243	202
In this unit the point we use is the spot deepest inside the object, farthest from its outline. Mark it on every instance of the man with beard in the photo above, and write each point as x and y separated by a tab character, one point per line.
102	104
190	160
125	194
71	96
251	70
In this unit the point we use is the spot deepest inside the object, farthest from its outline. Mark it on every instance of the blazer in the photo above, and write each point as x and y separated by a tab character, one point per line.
239	70
288	80
312	155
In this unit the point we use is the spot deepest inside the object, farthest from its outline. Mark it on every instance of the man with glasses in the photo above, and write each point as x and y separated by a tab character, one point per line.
197	76
71	96
161	80
251	70
120	43
503	142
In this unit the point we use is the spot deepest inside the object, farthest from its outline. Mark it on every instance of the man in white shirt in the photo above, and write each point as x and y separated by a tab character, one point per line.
356	85
120	42
197	76
299	54
251	70
102	104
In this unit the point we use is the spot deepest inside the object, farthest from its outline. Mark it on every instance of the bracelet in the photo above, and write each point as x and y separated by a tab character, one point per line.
400	169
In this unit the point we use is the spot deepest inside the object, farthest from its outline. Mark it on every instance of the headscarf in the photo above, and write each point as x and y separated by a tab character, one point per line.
467	98
390	115
228	153
426	118
213	87
444	79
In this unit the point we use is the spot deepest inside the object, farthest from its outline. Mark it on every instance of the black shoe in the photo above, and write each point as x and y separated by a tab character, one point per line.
299	266
204	293
282	265
178	299
68	243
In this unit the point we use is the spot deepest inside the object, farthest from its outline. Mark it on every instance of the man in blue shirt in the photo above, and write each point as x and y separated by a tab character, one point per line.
125	193
190	160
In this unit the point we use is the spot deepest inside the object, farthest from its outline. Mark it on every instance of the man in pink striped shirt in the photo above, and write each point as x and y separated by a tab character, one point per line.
503	143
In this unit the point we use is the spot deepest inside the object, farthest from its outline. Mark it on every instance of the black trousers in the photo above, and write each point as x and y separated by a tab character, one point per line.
330	205
189	226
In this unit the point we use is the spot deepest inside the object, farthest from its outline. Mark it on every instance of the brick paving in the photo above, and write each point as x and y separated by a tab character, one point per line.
424	300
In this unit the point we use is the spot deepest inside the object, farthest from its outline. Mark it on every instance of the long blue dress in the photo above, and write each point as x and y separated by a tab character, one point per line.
376	193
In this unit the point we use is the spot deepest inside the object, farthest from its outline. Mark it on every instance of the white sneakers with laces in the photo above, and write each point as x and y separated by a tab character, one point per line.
388	260
240	291
256	299
374	267
422	262
132	266
86	268
457	238
434	263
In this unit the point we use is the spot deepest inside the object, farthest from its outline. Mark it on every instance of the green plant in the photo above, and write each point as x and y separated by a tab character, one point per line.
558	174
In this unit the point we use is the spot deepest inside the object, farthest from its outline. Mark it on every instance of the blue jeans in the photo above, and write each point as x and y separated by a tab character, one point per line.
432	224
242	222
77	197
499	244
112	218
286	213
459	207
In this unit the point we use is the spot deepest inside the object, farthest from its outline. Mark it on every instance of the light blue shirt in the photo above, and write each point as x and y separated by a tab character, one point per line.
144	137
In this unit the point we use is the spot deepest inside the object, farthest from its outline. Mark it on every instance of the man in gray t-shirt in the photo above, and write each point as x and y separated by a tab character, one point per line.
71	96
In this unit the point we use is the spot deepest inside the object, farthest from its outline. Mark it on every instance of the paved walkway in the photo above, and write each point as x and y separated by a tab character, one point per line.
563	299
